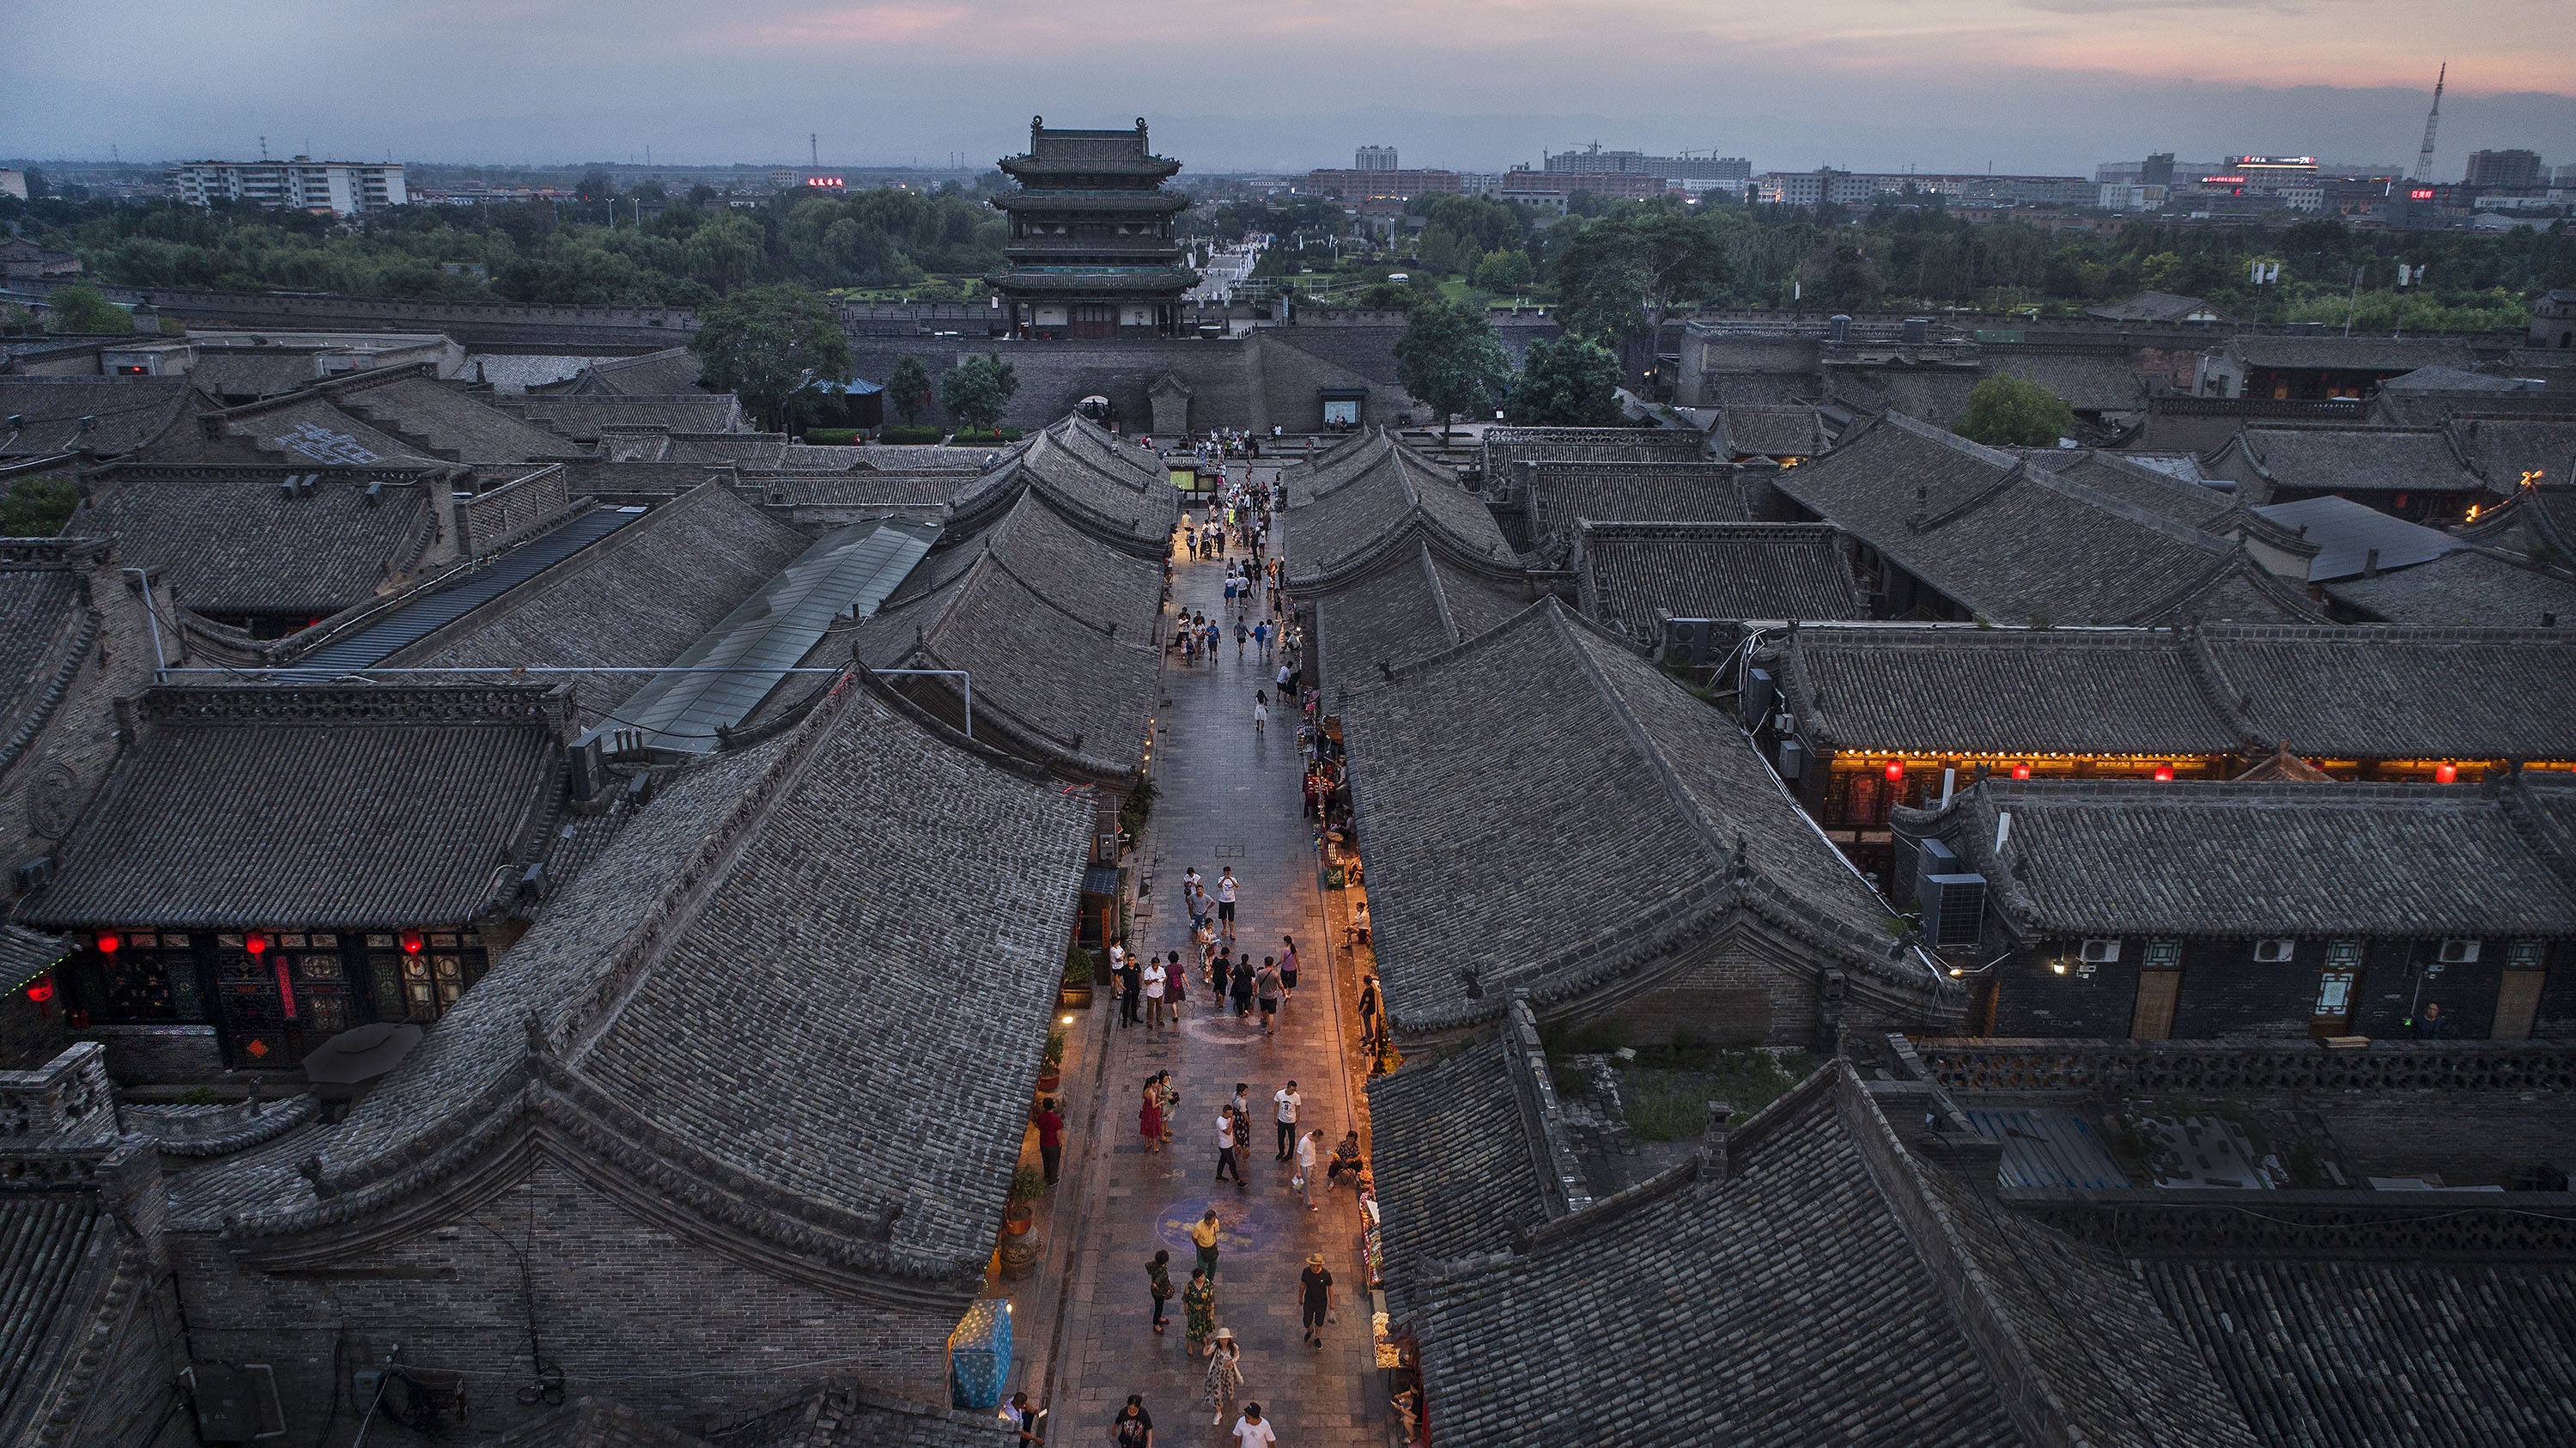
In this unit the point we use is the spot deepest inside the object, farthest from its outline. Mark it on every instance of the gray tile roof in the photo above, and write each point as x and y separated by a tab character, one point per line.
54	1250
2351	354
2131	857
2148	307
2137	483
671	371
1369	499
2354	1354
2466	588
1630	575
585	419
2265	462
2438	378
47	625
1504	446
1770	431
2004	538
748	450
2368	692
229	541
2347	535
313	806
634	599
828	1088
248	375
124	412
1117	493
1659	824
306	428
1413	602
1599	1329
510	374
1553	496
2503	449
444	420
2087	383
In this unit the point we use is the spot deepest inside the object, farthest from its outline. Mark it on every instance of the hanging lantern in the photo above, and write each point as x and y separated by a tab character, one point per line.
108	942
1896	771
2164	774
41	989
411	942
2021	771
255	943
2446	774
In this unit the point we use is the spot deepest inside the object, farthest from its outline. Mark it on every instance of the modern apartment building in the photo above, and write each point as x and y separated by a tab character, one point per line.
300	183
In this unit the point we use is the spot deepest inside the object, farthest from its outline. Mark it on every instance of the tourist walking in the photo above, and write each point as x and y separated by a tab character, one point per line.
1176	986
1158	1284
1261	639
1153	974
1288	967
1266	985
1251	1430
1260	711
1226	1136
1198	1311
1368	1012
1314	1298
1131	982
1287	1099
1203	1236
1225	892
1309	1146
1242	986
1242	635
1149	1115
1224	1374
1050	1125
1133	1427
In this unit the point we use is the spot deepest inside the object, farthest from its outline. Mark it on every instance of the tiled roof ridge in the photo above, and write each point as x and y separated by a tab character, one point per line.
2148	518
1073	753
2547	837
112	1299
1376	448
1121	534
1643	740
1696	529
1449	631
2238	563
1416	525
367	379
995	556
619	364
291	702
86	622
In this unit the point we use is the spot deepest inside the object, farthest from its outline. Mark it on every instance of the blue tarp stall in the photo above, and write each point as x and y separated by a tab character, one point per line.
849	401
979	1357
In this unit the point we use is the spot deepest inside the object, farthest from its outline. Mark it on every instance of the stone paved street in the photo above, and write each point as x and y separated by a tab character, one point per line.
1229	797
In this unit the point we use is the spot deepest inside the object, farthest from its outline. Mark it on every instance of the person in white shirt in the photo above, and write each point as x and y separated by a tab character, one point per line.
1288	1101
1225	901
1306	1148
1250	1431
1153	994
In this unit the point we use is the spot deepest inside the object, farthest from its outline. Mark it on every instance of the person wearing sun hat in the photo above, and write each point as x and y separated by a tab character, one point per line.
1315	1297
1224	1374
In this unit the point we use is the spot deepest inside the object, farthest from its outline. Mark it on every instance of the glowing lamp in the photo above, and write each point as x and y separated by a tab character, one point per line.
255	943
2446	774
411	942
2164	774
108	942
2021	771
1895	772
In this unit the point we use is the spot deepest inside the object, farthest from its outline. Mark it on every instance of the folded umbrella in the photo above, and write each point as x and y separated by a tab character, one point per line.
361	1053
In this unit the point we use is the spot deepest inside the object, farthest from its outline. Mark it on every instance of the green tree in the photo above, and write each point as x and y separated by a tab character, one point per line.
724	250
767	343
86	310
595	185
38	507
1619	272
1504	271
1450	358
909	388
1571	382
978	390
2005	411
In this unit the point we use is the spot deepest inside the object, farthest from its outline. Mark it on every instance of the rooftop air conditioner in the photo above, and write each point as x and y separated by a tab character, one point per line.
2101	950
2459	951
1954	908
2274	952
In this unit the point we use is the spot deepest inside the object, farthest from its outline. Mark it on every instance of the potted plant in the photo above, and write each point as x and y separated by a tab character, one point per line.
1027	1185
1051	1064
1080	971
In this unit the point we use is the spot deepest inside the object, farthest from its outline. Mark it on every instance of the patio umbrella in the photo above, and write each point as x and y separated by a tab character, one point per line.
360	1054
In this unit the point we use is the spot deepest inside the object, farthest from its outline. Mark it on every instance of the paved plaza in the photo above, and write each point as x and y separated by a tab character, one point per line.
1229	797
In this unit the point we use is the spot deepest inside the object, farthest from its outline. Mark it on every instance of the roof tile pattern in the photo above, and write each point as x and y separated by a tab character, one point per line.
236	544
1632	573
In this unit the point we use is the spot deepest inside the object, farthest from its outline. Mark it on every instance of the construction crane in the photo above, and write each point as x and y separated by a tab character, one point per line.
2424	158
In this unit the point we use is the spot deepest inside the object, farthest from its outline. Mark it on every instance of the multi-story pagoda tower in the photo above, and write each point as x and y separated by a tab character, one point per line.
1092	252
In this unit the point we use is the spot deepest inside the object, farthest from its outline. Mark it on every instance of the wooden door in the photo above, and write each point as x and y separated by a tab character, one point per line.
1093	320
2517	1002
2158	991
2333	1014
257	1004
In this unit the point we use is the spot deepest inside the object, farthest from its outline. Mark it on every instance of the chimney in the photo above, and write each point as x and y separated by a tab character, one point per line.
1713	1142
2370	564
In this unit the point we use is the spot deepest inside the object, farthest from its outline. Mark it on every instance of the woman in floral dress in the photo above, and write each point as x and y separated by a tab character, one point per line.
1198	1310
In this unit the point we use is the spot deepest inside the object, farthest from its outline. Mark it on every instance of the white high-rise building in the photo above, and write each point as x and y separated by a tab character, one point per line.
343	188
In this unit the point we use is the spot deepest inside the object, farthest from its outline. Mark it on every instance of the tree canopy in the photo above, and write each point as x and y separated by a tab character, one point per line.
908	389
2006	411
86	310
977	391
1619	273
1449	357
767	343
1571	382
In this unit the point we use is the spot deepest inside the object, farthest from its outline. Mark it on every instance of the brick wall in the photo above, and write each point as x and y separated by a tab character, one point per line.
621	1305
2226	992
490	521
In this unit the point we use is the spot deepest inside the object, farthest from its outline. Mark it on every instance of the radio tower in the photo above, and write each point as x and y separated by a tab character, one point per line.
2424	158
814	149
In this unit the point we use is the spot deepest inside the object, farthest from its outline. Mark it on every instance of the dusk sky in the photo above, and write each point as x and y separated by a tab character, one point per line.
2031	85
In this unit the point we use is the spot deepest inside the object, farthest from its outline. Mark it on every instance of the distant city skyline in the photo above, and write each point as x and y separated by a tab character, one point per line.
2016	85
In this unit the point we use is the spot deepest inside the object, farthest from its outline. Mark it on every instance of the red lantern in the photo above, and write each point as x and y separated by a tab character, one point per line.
2446	774
1895	771
2164	774
411	942
108	942
42	990
2021	771
255	943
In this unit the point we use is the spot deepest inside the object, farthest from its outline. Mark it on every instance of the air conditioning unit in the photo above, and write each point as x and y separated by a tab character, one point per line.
2100	950
1760	693
1931	857
2274	952
2459	951
1954	908
1793	758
